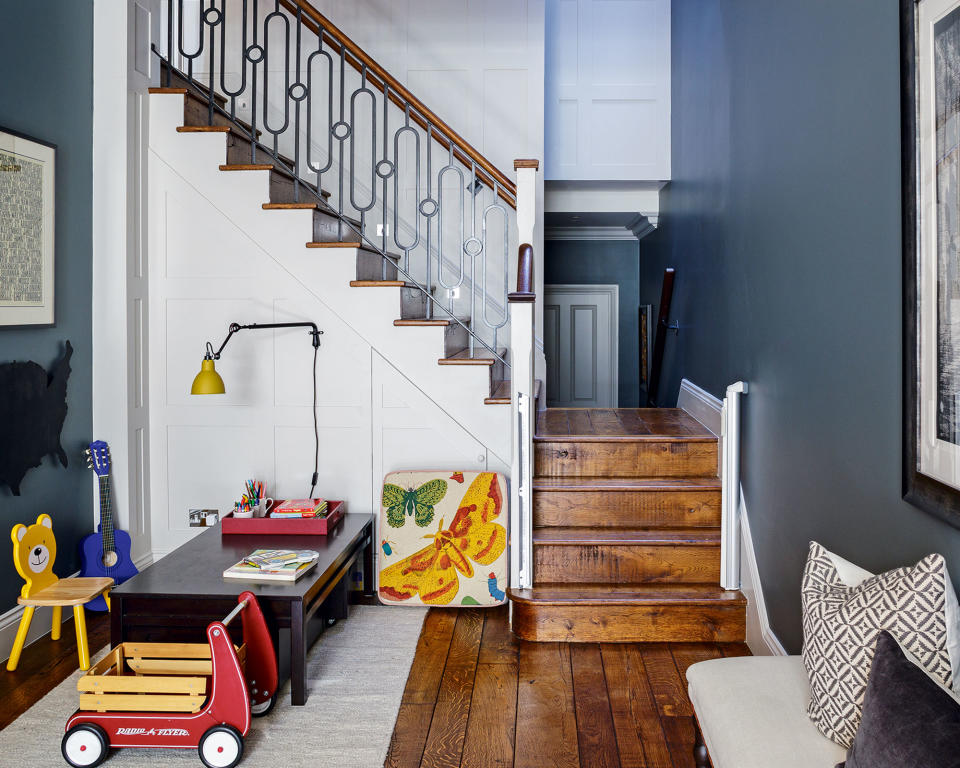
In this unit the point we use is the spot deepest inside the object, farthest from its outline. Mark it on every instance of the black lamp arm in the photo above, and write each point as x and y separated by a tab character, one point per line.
234	327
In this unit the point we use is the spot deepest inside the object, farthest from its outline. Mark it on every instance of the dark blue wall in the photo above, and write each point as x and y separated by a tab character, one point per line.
46	91
783	222
605	262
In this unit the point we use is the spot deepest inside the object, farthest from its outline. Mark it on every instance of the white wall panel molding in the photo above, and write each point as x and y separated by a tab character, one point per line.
607	105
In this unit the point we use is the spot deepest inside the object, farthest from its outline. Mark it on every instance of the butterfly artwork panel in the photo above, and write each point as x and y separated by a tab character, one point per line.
443	539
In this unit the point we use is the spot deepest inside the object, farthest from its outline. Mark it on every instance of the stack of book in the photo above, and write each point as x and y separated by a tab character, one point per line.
301	508
273	565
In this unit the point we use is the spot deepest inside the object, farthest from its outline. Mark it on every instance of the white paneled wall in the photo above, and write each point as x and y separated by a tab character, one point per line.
205	273
607	104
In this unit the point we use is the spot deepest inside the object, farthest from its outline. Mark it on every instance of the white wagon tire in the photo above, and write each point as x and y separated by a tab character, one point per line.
221	747
84	746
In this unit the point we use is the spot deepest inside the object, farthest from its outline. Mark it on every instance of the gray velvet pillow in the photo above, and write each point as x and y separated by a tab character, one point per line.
908	720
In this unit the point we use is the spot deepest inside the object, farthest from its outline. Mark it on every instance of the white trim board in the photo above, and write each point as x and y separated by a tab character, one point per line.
761	639
700	404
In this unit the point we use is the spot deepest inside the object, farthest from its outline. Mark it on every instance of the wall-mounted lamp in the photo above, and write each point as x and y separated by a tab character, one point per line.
209	382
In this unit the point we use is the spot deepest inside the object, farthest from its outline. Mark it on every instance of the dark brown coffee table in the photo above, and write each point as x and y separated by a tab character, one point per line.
175	599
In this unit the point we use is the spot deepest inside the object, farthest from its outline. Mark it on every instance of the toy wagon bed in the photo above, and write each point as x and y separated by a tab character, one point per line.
177	695
151	677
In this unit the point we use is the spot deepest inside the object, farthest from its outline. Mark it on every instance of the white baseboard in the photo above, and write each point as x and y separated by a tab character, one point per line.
700	404
761	639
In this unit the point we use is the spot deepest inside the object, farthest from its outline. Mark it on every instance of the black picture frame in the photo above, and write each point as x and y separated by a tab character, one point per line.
922	491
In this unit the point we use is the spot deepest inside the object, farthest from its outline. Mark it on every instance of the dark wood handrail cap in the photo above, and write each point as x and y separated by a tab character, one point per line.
518	164
521	298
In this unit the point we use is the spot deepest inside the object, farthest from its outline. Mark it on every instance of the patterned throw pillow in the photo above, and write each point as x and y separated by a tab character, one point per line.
841	624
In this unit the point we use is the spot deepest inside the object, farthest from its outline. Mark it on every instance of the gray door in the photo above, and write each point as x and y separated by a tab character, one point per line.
580	344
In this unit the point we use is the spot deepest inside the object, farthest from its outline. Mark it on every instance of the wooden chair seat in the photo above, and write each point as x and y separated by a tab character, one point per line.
76	591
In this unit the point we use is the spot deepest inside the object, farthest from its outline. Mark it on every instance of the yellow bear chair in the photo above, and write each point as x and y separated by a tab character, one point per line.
34	550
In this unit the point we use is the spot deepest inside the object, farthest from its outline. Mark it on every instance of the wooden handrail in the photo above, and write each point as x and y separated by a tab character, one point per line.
488	173
524	290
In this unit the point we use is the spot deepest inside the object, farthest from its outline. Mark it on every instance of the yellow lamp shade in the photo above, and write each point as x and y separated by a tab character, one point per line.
208	381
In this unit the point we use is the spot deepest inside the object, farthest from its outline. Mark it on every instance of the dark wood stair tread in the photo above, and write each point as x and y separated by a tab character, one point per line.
595	424
480	356
207	129
353	244
422	321
638	484
627	594
381	284
590	537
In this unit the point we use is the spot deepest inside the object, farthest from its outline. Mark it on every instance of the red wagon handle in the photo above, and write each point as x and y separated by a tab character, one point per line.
261	665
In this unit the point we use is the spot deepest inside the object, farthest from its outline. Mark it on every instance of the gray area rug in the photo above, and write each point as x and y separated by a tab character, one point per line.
356	674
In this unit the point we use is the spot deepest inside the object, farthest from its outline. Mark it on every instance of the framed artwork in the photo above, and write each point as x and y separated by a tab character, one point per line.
26	229
930	109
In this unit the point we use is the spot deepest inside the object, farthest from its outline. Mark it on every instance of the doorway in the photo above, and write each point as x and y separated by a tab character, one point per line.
580	342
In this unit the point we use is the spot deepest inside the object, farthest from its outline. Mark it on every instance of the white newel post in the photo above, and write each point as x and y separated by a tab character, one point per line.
522	304
730	488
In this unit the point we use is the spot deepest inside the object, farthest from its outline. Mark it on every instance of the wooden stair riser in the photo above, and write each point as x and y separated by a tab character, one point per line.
629	624
641	458
626	509
626	563
372	266
199	89
197	112
455	337
327	228
413	303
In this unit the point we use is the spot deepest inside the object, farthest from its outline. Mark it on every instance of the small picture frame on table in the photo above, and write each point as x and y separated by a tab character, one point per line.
27	190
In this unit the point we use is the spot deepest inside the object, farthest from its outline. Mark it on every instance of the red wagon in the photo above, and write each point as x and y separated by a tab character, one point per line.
177	695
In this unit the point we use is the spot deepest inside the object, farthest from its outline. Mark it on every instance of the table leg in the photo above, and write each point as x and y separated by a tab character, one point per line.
116	621
368	580
298	654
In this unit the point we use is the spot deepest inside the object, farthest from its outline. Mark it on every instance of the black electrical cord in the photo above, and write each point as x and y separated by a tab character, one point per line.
316	430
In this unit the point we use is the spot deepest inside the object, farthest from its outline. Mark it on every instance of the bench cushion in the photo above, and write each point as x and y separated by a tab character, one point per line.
753	714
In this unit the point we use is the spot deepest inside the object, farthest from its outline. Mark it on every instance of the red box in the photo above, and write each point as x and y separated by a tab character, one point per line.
291	526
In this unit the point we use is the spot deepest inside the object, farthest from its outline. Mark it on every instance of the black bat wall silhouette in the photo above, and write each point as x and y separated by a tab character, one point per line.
33	406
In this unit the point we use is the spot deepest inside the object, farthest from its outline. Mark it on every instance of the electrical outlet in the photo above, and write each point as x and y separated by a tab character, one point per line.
380	230
453	293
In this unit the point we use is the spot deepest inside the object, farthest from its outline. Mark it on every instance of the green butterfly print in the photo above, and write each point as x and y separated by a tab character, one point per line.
417	503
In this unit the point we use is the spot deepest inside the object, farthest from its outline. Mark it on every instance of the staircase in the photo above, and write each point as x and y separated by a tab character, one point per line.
626	531
384	215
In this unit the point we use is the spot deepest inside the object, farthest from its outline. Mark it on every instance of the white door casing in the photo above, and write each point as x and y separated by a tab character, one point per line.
581	342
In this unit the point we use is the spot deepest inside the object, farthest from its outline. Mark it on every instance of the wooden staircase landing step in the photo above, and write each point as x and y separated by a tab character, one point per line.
628	613
591	424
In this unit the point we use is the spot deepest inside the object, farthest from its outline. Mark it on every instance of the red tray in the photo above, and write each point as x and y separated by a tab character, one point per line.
299	526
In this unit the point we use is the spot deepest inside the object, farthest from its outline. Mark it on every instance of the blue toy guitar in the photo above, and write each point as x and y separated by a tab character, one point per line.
106	552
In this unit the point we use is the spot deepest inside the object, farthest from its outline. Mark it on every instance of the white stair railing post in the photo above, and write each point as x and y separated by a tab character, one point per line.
730	487
522	304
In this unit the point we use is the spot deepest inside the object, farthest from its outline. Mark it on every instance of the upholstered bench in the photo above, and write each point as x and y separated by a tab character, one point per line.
752	713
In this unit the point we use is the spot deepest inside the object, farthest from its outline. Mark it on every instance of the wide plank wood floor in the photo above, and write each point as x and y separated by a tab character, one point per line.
477	697
45	664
